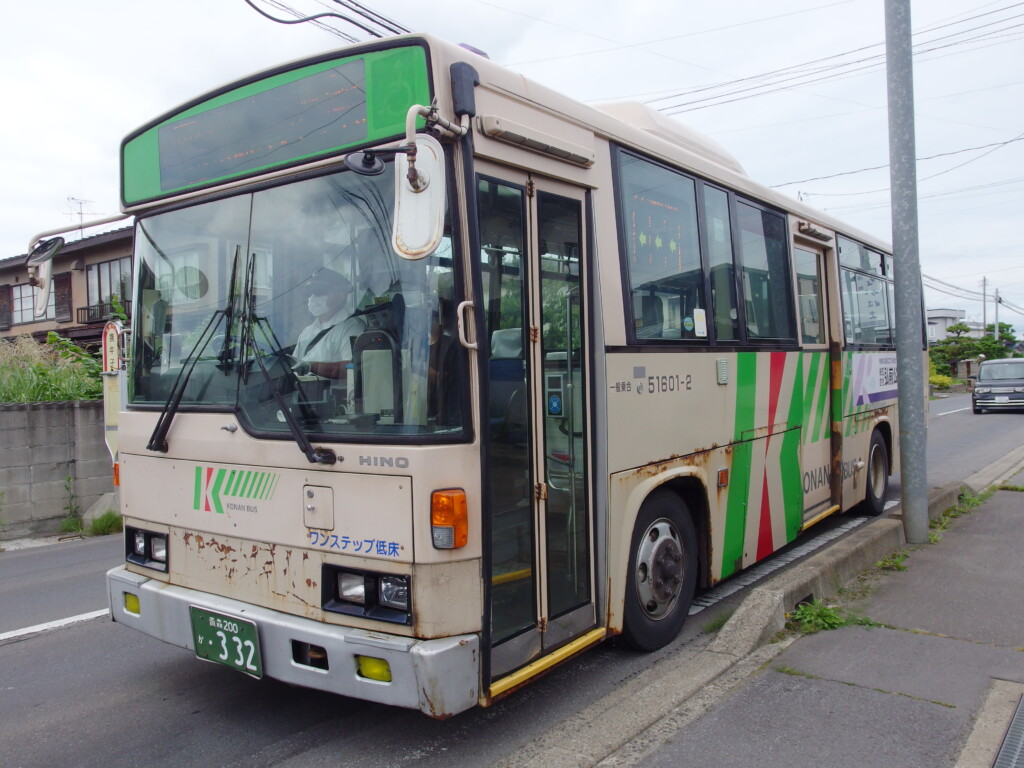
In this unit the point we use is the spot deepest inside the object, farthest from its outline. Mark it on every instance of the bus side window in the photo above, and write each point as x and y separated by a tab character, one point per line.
651	314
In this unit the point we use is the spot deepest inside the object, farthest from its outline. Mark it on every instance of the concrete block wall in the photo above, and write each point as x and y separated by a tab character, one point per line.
41	445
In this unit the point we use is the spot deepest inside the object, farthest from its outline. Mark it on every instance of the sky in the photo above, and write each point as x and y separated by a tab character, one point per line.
794	89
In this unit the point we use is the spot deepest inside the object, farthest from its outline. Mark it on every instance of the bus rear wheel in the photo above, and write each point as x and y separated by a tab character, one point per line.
877	476
662	572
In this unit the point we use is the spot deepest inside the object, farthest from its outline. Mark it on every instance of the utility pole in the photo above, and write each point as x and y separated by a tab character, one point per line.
909	297
984	305
995	330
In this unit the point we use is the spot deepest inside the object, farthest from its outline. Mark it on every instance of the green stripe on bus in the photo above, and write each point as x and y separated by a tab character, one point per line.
736	507
197	498
810	434
792	485
821	425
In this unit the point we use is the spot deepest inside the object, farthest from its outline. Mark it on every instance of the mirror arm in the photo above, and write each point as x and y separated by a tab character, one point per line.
434	120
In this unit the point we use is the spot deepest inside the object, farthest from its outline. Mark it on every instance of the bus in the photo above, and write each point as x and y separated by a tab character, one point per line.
574	366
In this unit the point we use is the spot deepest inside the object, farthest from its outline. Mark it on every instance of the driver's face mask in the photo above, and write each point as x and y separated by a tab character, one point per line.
317	305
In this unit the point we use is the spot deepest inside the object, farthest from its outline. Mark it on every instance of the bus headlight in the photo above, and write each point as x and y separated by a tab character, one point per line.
368	594
158	548
394	592
352	587
145	548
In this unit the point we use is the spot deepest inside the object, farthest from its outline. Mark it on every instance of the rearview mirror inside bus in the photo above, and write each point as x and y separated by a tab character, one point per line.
419	199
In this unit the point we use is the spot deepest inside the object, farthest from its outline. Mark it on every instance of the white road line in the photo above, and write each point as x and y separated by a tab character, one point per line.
958	410
51	625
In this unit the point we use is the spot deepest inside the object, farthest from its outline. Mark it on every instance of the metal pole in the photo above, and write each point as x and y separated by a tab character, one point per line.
909	304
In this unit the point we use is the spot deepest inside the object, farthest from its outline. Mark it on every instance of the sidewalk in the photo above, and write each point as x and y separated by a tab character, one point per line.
936	685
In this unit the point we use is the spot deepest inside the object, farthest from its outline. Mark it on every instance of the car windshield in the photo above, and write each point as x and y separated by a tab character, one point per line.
289	302
1002	370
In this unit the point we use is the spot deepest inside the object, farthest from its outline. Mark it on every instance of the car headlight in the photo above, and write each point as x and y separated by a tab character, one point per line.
982	390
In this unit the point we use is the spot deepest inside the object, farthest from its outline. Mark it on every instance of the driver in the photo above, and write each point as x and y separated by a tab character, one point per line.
324	347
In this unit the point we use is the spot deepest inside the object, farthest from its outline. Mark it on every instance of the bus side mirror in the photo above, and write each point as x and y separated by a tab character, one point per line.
420	197
40	270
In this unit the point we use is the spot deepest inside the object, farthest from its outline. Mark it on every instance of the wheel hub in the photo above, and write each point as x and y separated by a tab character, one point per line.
659	569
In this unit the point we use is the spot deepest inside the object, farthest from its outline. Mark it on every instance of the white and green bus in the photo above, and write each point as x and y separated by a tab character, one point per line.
573	366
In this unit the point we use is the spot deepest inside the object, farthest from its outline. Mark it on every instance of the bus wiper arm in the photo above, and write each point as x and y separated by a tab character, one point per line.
250	322
229	310
315	455
158	440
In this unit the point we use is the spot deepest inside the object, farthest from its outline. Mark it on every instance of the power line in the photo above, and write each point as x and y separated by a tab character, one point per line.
994	146
810	69
358	15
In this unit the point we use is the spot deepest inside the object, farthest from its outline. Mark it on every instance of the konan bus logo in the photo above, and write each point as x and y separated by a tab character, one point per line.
217	489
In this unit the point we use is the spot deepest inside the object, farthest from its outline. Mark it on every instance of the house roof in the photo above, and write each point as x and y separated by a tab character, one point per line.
90	241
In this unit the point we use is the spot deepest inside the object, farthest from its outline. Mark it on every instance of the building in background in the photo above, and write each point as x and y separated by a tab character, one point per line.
87	274
939	321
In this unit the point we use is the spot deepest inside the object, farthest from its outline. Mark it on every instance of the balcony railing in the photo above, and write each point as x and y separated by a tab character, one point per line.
100	313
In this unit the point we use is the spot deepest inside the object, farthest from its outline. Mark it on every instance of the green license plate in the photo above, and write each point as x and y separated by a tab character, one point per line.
227	640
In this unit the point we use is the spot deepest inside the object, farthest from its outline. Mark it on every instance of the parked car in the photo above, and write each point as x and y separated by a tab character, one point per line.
999	384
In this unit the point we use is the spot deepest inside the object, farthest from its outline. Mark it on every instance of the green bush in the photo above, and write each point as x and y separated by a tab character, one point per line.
107	523
940	382
58	370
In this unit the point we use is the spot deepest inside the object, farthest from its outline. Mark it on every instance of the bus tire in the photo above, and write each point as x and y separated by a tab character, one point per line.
662	572
877	476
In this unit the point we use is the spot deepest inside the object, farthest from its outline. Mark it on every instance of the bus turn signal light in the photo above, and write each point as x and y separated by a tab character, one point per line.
449	518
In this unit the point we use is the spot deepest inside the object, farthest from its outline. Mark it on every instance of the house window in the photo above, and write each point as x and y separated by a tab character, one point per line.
107	279
23	299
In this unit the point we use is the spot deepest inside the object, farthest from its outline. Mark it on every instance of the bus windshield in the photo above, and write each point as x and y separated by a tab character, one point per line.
291	299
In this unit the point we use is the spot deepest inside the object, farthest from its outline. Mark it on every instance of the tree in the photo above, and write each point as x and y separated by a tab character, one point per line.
1006	336
959	346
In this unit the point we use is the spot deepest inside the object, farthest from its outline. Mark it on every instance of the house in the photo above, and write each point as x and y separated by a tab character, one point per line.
87	273
939	321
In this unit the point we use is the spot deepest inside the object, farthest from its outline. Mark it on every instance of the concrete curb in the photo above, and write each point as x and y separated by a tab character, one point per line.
591	737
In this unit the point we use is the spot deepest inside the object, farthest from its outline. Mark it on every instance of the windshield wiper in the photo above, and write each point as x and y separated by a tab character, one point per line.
318	454
158	440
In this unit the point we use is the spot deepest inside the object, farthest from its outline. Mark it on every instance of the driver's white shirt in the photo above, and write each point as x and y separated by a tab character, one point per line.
336	344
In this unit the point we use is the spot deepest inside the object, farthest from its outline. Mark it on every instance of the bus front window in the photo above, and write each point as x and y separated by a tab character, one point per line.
290	302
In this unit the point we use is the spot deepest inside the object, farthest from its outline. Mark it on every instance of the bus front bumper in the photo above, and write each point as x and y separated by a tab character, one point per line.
438	677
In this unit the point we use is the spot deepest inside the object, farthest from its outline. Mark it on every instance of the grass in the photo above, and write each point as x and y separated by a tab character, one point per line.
58	370
72	523
108	523
893	562
717	623
816	616
968	503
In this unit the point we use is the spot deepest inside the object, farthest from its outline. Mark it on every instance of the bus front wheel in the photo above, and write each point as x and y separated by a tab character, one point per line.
662	572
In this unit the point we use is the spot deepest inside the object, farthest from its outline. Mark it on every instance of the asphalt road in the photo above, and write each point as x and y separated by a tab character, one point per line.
98	694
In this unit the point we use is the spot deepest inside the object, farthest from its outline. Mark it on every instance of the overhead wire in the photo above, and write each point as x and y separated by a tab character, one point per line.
811	68
358	15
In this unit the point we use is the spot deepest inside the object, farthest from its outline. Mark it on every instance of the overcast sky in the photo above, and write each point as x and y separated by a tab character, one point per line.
805	111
